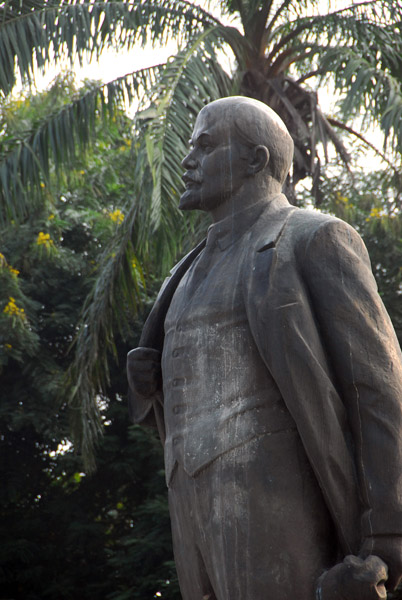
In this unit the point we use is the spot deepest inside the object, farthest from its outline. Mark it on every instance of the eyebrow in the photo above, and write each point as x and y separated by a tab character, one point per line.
203	136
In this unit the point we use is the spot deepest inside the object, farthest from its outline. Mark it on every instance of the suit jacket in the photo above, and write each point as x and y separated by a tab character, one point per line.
332	352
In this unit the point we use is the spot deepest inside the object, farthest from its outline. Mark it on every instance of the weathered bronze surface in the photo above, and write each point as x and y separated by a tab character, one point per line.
273	373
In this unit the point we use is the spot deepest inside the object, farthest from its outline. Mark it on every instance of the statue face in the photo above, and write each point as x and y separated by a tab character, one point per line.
216	165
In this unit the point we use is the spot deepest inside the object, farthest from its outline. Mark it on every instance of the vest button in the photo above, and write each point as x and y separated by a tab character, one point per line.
176	410
176	353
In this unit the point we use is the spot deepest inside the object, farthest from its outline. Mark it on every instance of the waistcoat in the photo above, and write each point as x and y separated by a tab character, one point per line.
218	392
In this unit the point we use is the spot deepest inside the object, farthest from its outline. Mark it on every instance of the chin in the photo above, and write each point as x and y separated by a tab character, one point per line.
190	201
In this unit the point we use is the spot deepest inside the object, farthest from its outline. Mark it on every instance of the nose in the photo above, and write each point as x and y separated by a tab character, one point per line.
188	161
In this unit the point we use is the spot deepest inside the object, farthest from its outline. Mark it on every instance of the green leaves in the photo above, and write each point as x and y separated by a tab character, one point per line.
55	140
44	151
370	89
34	33
361	46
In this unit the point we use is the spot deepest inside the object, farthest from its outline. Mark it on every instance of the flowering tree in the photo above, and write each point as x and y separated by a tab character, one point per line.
279	48
56	521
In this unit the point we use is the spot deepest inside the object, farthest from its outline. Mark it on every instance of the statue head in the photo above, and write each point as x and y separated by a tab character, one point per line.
238	143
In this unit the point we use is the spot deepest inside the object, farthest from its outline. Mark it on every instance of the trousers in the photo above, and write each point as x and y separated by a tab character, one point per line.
252	525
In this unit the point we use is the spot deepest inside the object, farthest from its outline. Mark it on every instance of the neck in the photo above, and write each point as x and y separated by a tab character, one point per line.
247	195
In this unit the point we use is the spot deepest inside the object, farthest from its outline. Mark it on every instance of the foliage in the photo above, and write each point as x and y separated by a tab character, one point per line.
278	47
368	70
66	533
78	263
105	534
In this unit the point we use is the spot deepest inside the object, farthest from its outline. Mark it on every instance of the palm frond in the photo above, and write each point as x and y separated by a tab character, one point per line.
33	33
342	126
153	225
113	301
24	167
191	80
368	90
361	45
357	23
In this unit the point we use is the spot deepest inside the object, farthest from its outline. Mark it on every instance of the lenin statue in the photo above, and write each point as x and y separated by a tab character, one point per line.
273	373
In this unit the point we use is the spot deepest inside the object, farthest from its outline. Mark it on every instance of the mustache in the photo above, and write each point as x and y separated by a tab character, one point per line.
192	177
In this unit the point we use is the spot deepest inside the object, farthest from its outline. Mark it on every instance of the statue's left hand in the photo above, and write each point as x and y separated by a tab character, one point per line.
354	579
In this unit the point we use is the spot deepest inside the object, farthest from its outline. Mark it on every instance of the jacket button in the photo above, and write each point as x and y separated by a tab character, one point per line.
176	382
176	353
176	410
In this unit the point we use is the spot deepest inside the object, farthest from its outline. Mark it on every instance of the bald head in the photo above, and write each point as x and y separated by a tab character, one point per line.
241	153
255	124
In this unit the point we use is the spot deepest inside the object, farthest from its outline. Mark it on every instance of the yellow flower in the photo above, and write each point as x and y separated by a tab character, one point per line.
42	185
12	309
50	217
4	265
126	144
375	213
117	216
82	172
341	198
44	239
8	346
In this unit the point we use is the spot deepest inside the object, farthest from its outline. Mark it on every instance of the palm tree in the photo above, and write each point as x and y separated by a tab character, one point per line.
279	46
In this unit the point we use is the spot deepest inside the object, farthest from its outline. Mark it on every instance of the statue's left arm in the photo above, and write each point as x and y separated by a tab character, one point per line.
364	354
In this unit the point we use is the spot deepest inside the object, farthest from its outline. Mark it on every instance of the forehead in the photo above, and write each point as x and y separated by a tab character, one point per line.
215	122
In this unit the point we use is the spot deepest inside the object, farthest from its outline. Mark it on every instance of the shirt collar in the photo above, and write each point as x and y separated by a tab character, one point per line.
229	230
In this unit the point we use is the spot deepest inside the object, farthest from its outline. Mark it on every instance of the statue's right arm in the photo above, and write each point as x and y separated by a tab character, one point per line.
145	382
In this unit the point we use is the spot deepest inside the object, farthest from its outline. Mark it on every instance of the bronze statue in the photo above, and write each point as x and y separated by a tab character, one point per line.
275	378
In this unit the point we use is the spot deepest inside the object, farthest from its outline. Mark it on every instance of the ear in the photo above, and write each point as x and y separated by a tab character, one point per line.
258	160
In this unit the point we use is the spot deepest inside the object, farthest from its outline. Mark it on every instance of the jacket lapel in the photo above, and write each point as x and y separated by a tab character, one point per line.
153	332
272	224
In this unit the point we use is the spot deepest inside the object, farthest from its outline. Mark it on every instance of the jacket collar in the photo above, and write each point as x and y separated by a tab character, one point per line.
269	216
226	232
271	223
232	228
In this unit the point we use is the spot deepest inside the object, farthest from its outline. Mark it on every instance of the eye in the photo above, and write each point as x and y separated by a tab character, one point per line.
206	147
205	143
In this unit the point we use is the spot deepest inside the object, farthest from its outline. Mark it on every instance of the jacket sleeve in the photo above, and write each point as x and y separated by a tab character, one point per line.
140	409
365	357
147	411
